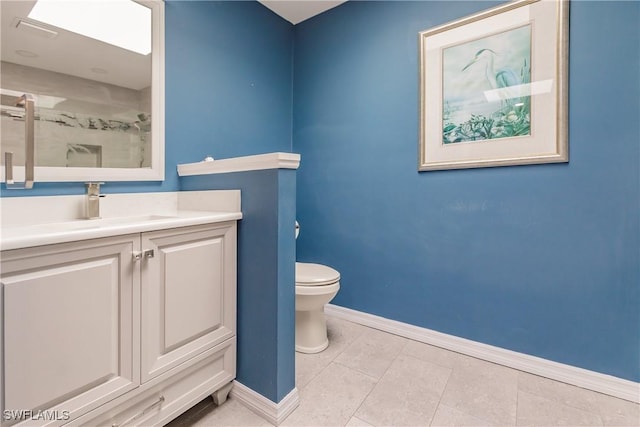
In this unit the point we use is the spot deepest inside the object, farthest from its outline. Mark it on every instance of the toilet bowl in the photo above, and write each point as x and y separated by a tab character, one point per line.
316	285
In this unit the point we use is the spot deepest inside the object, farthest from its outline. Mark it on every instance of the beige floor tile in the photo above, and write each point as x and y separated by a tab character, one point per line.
308	366
433	354
357	422
407	394
617	412
340	333
370	378
483	390
230	414
331	398
566	394
538	411
372	352
450	417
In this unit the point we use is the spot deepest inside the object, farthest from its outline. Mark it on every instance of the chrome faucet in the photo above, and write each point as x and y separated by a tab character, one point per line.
93	200
27	102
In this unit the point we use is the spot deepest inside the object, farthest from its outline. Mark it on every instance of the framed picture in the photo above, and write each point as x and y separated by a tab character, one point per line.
493	88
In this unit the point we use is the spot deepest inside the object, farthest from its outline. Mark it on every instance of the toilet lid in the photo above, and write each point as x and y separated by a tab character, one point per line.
308	274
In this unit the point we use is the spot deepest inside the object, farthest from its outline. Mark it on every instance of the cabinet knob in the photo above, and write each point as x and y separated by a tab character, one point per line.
137	255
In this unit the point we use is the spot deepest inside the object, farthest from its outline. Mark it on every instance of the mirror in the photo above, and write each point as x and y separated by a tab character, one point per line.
99	101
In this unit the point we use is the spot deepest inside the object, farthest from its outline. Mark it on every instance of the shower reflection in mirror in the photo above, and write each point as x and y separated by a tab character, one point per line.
92	91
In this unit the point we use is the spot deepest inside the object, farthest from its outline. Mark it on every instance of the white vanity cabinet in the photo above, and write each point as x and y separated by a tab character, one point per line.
124	330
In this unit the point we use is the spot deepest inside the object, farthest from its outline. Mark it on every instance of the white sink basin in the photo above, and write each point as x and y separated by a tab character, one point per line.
87	224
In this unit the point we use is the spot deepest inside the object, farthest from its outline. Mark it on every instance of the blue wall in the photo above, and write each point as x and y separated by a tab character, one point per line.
228	74
538	259
266	276
542	259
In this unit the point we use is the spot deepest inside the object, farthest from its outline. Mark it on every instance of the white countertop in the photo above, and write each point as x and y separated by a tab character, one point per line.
24	236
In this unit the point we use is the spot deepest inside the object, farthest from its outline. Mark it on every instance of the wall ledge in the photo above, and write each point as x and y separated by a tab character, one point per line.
591	380
277	160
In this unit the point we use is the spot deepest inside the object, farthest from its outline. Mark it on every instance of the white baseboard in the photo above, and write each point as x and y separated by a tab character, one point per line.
602	383
273	412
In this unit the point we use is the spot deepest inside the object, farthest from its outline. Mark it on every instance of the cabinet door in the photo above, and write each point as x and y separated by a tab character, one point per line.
68	327
188	294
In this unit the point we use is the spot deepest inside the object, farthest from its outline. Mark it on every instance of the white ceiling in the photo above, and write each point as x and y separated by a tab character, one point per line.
119	67
296	11
67	52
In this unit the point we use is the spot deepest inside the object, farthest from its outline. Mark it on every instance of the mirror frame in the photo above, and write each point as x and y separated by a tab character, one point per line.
156	171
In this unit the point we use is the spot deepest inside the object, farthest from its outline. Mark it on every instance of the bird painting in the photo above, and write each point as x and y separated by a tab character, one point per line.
498	65
501	78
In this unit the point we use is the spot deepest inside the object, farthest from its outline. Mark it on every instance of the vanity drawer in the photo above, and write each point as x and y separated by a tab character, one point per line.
161	403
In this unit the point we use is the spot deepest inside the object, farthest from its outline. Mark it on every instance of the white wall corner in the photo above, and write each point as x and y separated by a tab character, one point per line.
591	380
273	412
278	160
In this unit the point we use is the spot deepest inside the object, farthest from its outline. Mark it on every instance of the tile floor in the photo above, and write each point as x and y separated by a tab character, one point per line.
371	378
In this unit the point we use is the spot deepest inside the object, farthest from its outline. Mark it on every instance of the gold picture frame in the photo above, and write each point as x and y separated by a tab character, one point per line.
494	88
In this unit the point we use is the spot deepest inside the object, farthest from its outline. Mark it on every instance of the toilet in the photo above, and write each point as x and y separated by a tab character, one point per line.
316	285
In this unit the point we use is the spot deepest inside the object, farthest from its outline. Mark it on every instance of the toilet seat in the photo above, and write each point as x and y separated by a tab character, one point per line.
317	290
308	274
